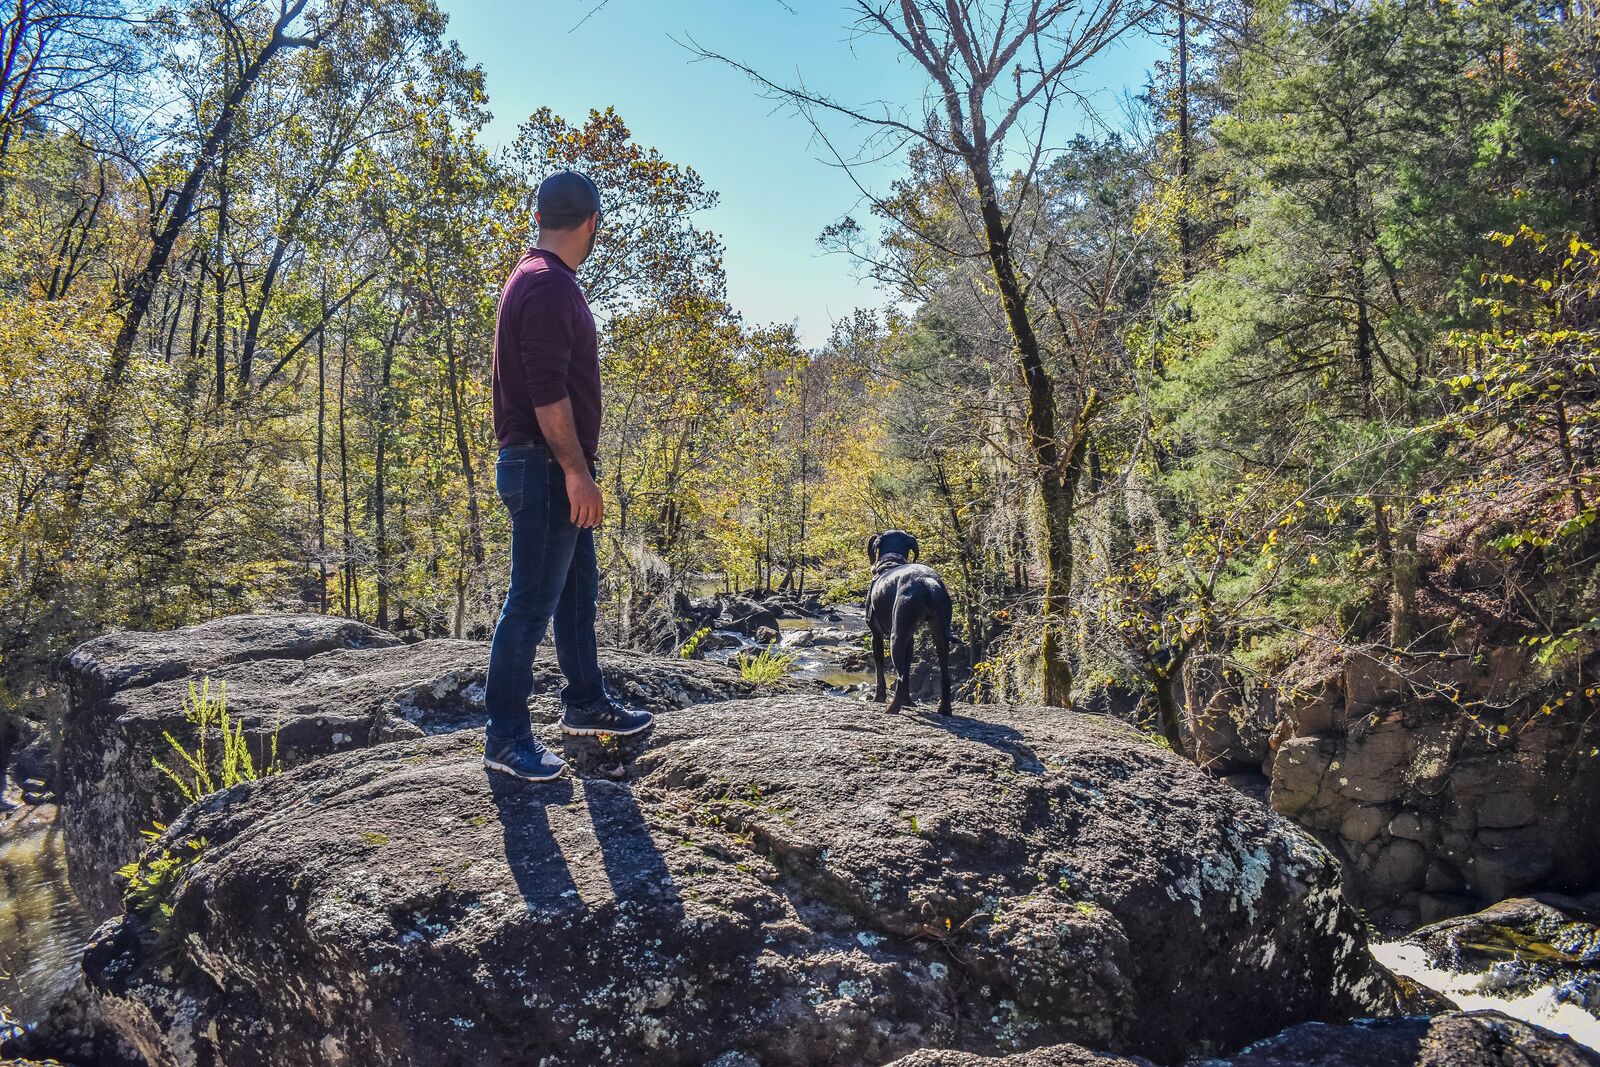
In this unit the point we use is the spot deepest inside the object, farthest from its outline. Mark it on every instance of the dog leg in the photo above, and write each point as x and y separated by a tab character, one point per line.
941	645
903	642
877	661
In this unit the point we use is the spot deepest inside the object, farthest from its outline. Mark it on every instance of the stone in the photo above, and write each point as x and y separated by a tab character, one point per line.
1398	868
1433	907
1441	877
1498	873
1372	767
1506	810
129	659
1054	1056
332	700
1318	714
1370	684
745	616
1495	815
1298	773
1407	825
793	879
1362	824
1454	1039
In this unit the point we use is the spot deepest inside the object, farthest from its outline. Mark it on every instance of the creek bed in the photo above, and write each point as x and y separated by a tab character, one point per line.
1473	992
42	929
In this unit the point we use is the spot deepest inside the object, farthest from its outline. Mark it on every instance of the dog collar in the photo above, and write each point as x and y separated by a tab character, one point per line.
885	562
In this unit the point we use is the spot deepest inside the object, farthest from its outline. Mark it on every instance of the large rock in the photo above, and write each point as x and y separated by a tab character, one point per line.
1054	1056
129	659
315	696
791	880
746	616
1457	1039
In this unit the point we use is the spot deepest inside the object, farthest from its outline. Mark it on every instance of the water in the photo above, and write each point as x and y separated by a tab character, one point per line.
1470	992
42	930
819	662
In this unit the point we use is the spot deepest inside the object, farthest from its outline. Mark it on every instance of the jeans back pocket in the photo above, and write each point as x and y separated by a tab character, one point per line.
509	476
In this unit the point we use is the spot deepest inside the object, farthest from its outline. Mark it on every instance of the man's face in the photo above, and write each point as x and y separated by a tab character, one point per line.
593	226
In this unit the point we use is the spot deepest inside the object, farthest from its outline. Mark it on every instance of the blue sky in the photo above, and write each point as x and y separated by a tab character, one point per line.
777	186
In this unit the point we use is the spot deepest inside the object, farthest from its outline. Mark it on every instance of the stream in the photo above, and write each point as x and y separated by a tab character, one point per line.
817	647
1475	992
42	929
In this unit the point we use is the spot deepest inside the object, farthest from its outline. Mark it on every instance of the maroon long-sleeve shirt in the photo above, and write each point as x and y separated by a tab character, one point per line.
545	350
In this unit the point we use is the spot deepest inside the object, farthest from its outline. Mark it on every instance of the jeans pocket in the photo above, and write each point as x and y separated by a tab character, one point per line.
509	476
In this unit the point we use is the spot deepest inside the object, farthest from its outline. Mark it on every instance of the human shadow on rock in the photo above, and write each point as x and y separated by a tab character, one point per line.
532	852
632	863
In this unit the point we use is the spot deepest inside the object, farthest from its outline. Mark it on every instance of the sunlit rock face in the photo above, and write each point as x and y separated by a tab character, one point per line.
784	880
1404	772
302	686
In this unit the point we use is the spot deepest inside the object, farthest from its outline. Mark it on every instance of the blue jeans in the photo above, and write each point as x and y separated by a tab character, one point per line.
553	573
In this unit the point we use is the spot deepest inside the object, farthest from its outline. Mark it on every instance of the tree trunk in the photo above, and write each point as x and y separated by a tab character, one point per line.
1185	226
463	448
322	437
351	592
1058	467
380	512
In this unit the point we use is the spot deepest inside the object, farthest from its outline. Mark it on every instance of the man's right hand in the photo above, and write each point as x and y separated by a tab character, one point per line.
587	504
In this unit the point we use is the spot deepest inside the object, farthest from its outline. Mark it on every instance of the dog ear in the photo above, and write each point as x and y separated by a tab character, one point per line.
872	548
914	549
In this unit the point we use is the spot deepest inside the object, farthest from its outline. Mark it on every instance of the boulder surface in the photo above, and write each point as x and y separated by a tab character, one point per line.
789	880
1458	1039
309	684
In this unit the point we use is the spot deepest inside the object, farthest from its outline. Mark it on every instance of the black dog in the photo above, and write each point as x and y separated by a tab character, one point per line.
905	594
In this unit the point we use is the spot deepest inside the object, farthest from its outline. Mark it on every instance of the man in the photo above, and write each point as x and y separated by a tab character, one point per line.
547	421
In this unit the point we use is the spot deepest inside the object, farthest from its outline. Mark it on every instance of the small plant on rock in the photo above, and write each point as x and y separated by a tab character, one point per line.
767	667
153	880
690	648
208	715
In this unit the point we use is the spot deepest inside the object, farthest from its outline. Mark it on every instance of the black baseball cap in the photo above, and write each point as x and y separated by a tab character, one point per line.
568	193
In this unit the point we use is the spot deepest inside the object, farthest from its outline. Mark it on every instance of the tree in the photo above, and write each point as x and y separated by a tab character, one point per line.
991	71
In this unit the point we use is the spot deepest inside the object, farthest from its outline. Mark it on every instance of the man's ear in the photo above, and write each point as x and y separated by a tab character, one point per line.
872	548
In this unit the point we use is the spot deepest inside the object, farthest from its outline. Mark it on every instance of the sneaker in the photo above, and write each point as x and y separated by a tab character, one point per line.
604	717
523	758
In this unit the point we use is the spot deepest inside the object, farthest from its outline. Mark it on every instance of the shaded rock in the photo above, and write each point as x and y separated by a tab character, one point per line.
35	766
787	880
1419	800
1457	1039
74	1031
745	616
328	702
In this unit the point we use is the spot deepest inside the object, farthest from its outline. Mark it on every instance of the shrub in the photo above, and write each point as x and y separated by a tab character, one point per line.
208	715
766	668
